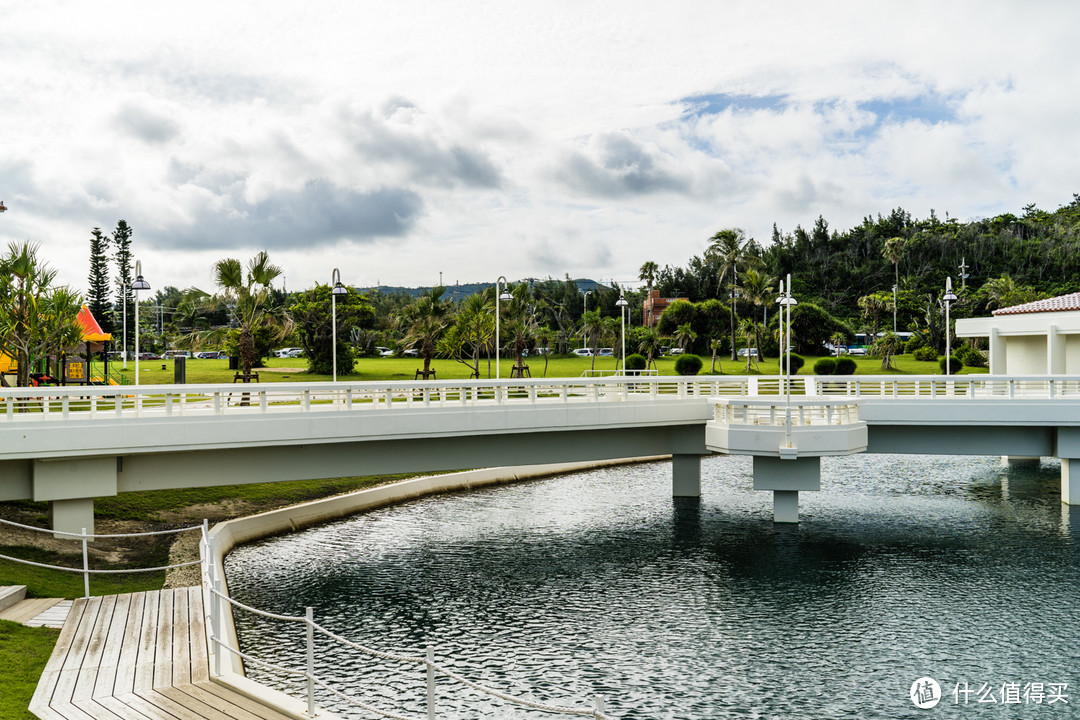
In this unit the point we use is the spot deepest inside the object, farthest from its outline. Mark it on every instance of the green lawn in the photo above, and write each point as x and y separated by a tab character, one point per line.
23	654
402	368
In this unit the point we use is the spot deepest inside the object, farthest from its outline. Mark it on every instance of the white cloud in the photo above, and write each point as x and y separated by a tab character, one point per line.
520	139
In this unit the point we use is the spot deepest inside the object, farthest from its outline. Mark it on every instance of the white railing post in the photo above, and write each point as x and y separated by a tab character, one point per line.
215	610
85	566
598	707
430	682
309	621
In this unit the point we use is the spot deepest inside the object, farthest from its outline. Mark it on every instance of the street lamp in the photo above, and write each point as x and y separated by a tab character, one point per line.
123	301
136	286
585	300
894	309
948	298
621	304
338	289
500	294
786	300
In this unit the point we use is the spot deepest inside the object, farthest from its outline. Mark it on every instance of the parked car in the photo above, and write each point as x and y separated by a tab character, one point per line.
295	353
286	352
856	351
745	352
411	352
606	352
582	352
209	355
675	351
149	356
384	352
177	354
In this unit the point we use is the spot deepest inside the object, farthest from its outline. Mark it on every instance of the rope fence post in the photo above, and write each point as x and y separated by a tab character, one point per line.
85	566
215	616
598	707
309	622
430	682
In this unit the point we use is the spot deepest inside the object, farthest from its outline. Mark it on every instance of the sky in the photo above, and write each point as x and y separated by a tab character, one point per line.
403	142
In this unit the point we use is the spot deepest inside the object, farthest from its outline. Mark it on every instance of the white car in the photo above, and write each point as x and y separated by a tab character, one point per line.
287	352
856	351
582	352
384	351
743	352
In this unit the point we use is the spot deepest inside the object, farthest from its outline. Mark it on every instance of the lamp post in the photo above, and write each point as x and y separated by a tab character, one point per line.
786	300
894	309
500	294
621	304
585	300
948	298
136	286
124	291
338	289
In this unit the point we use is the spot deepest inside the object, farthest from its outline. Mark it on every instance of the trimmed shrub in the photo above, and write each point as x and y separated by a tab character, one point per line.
917	341
636	362
845	366
688	365
954	364
825	366
971	357
925	353
797	361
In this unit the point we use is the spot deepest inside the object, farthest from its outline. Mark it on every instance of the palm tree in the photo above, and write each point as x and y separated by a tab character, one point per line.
714	345
593	328
520	324
35	318
473	328
759	289
888	345
754	332
684	336
649	344
247	295
424	322
893	251
729	247
874	306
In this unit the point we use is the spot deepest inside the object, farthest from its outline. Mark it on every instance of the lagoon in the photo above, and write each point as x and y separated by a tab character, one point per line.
599	582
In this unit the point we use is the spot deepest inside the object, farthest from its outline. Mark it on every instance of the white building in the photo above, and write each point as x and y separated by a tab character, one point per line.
1036	338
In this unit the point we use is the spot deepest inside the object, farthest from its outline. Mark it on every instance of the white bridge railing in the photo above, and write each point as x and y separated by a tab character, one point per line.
79	402
775	412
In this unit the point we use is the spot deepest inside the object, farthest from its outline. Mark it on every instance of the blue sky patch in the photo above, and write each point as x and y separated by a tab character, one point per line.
718	103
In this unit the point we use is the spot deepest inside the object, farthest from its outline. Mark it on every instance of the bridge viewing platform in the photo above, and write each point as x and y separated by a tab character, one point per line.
70	445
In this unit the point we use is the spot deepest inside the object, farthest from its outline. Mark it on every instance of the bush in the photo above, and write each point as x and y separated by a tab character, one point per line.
925	353
636	362
797	361
845	366
825	366
954	364
688	365
917	341
971	357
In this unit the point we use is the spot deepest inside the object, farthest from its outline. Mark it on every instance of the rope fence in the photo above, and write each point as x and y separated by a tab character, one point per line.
86	571
220	601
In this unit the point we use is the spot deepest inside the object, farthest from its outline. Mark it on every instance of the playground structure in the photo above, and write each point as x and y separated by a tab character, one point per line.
72	369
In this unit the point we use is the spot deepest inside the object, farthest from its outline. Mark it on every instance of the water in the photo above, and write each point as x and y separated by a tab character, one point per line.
599	583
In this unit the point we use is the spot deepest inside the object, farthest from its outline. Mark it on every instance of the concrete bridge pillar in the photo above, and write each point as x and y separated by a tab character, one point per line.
70	486
1070	483
786	477
685	475
1013	460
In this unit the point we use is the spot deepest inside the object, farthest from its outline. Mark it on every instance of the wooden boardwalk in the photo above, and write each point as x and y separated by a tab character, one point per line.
141	656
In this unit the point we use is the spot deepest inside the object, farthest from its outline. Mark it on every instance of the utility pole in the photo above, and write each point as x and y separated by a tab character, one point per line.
963	267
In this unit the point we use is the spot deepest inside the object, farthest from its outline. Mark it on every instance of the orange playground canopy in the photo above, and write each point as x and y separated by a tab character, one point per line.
91	331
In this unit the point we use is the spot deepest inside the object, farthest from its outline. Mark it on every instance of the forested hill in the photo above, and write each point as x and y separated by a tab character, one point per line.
1009	258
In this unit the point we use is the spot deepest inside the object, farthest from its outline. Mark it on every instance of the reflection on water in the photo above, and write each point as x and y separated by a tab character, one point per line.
601	583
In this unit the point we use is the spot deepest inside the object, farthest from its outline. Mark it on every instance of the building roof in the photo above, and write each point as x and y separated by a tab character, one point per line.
92	332
1054	304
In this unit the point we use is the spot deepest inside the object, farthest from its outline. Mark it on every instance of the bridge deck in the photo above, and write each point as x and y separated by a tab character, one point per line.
141	656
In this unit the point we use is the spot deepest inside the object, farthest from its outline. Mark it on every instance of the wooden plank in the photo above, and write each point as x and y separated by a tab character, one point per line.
144	661
70	712
110	654
69	673
26	610
116	709
194	708
241	706
129	647
200	654
88	669
163	660
156	700
181	669
46	686
53	617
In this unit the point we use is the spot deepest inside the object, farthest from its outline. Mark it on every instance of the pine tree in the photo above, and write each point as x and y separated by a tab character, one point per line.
97	299
124	297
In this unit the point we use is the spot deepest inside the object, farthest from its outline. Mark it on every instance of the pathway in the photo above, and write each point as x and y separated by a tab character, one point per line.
140	656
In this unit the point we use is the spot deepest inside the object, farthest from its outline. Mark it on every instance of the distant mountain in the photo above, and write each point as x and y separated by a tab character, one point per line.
459	291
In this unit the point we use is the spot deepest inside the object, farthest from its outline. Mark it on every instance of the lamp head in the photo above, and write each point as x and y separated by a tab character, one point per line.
339	289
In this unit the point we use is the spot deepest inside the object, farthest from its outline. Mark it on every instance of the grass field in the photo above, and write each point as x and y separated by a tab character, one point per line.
23	654
403	368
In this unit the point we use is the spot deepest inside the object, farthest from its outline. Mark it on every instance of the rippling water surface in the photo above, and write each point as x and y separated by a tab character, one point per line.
599	583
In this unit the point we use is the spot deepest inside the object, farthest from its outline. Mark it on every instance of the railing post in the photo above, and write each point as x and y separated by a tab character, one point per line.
215	611
598	707
430	682
309	621
85	566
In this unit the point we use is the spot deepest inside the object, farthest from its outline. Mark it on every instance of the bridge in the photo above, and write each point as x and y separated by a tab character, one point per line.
69	445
